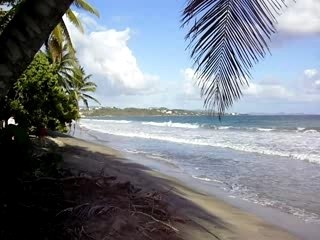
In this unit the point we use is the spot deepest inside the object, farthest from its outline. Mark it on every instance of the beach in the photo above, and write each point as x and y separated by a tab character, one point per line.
207	217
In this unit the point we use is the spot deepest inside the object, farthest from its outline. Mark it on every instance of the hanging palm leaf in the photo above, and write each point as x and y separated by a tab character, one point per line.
226	40
74	20
62	29
82	4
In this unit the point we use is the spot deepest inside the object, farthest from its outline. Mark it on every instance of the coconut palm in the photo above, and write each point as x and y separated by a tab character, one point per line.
65	62
61	33
81	86
227	37
24	35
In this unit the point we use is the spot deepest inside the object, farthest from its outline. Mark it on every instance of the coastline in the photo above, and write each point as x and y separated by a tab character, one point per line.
208	216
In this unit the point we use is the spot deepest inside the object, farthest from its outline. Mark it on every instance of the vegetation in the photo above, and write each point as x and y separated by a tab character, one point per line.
227	38
49	91
38	99
113	111
60	36
81	87
45	95
43	89
24	35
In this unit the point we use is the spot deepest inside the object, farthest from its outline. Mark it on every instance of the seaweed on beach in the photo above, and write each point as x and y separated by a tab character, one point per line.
86	207
103	208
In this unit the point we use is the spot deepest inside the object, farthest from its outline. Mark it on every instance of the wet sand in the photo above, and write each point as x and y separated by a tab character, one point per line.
206	217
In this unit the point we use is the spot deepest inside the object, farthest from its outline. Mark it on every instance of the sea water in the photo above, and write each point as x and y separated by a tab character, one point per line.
272	161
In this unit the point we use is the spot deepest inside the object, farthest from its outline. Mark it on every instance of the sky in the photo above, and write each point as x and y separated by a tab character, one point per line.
136	53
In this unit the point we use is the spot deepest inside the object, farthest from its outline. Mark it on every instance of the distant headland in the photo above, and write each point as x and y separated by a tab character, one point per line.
153	111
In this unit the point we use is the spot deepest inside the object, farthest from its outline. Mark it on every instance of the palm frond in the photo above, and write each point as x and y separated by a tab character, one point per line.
6	16
92	98
88	89
82	4
57	34
74	20
54	50
89	84
85	102
69	46
227	39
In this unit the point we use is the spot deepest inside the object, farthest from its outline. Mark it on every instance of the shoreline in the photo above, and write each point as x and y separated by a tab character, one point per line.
209	212
290	223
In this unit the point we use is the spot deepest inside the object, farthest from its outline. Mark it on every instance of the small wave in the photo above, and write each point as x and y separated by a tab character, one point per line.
206	179
311	157
158	157
214	127
107	121
134	151
253	129
224	128
155	156
162	159
171	124
300	129
311	131
265	129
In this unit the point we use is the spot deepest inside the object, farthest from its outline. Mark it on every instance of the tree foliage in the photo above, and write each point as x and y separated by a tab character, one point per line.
60	36
49	91
81	87
38	98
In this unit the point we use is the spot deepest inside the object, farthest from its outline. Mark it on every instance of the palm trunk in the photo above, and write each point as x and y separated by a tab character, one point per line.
24	36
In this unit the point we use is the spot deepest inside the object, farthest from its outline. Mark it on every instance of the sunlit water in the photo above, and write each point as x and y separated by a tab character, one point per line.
269	160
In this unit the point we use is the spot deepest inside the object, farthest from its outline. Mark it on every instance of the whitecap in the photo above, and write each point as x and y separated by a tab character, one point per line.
171	124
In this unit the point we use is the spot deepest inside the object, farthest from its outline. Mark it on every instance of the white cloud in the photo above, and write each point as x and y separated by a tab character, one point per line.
310	73
190	88
272	91
302	17
105	54
4	7
311	81
304	91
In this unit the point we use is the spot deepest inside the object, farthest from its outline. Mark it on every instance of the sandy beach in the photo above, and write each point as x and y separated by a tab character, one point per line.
206	217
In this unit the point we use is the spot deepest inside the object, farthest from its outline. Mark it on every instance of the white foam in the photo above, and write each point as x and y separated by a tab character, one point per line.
277	144
106	121
206	179
223	128
171	124
265	129
134	151
312	131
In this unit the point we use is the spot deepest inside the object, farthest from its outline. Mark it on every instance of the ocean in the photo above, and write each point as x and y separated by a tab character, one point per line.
273	161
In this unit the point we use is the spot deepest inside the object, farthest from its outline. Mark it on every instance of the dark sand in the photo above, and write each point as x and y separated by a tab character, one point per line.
206	217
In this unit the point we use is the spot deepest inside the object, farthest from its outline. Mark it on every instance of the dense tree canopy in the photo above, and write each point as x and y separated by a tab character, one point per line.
49	91
38	98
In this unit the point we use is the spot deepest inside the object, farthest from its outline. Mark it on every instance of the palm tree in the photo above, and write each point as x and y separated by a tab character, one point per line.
61	33
81	86
24	35
226	40
65	63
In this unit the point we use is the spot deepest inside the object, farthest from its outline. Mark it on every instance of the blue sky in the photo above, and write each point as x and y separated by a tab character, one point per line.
136	54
